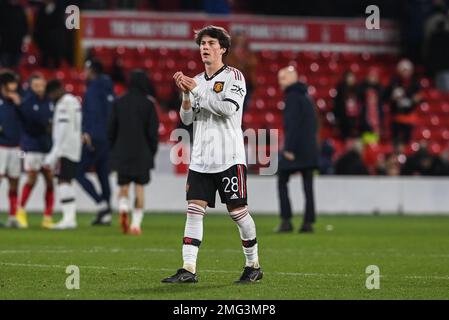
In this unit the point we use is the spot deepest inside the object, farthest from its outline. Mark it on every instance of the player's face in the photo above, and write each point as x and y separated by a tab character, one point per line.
210	50
38	86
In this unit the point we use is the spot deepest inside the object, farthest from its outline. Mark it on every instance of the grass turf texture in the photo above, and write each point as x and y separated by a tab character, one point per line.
411	252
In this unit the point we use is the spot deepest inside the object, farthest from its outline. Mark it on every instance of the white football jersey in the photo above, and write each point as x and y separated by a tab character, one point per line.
216	113
67	128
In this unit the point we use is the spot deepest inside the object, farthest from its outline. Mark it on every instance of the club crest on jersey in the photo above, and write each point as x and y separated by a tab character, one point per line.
218	86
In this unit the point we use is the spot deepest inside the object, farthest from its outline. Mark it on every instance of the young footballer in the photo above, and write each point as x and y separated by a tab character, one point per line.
213	102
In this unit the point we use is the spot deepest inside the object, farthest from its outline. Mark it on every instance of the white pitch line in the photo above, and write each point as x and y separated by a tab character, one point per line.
171	250
294	274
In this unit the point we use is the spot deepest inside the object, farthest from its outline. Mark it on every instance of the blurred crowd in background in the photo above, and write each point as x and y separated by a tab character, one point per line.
366	114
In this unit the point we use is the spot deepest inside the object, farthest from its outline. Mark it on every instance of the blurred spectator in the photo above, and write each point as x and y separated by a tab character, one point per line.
388	165
437	59
351	163
95	4
421	163
414	14
217	7
126	4
326	163
49	33
371	104
13	28
444	158
242	58
117	73
440	13
403	95
371	93
346	107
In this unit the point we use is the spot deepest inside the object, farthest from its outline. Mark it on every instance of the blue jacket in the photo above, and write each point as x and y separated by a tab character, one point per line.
97	105
9	123
36	116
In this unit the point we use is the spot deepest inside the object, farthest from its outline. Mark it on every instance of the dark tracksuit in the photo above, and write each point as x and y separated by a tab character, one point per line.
97	105
300	129
36	116
133	132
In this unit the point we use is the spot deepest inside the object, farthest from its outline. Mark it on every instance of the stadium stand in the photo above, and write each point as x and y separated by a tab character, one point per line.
320	70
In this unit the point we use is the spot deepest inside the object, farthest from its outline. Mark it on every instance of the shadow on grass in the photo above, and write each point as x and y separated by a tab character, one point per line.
186	288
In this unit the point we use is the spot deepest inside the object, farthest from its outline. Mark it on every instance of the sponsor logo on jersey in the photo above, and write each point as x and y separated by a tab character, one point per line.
218	86
237	90
234	196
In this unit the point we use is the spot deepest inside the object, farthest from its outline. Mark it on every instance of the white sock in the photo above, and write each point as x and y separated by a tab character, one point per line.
247	229
103	205
193	235
137	218
67	200
123	205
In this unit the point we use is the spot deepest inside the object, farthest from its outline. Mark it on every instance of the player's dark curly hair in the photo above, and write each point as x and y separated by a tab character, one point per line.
7	76
217	33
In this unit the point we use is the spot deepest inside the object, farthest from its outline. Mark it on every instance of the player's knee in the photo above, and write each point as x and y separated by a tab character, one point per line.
200	203
13	184
234	208
32	177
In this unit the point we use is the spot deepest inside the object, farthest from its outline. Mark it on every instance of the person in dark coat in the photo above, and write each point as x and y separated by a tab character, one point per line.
351	162
403	96
371	95
347	107
13	29
301	152
437	56
97	104
50	32
133	135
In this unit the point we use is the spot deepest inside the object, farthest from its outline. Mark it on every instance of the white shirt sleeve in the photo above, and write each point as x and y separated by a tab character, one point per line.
186	116
235	90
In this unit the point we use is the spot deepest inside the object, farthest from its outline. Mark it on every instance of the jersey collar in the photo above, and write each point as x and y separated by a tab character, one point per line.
215	74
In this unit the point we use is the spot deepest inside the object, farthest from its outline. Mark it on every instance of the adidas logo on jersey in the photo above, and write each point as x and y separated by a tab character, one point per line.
234	196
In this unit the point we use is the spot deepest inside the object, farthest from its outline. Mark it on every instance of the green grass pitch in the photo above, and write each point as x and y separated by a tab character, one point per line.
412	254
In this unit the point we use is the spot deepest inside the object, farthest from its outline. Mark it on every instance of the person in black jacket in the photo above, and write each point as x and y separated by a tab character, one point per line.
13	29
351	162
371	95
347	107
50	33
133	135
300	151
403	96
